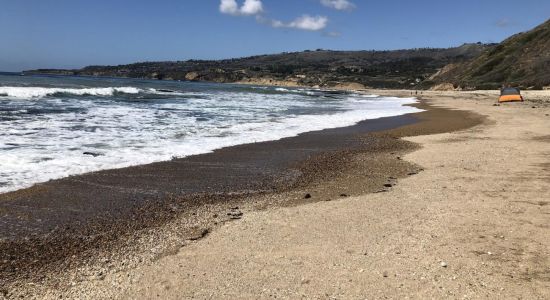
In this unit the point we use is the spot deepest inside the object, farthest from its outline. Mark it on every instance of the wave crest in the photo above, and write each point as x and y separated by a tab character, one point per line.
40	92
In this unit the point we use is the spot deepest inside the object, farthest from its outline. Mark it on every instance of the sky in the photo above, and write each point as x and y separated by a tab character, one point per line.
77	33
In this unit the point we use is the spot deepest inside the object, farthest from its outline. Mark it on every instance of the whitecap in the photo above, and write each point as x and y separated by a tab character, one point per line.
40	92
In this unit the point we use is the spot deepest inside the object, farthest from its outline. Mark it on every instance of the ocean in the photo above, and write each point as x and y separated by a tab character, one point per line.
53	126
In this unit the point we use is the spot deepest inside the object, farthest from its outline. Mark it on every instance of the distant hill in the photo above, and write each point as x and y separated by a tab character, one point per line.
522	60
322	68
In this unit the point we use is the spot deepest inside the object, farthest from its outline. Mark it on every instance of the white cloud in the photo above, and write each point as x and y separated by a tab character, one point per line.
252	7
273	23
229	7
255	8
249	7
338	4
304	22
307	22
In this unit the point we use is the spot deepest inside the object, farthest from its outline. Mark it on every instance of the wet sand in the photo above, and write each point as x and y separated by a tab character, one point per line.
115	220
121	193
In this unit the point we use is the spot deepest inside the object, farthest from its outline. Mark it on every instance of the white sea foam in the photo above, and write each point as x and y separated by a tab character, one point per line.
37	148
39	92
280	89
297	90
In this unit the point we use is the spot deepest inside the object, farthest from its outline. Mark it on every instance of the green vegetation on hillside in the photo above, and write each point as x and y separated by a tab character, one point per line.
522	60
324	68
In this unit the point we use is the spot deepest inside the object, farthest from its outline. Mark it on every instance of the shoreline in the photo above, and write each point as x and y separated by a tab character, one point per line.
47	220
198	222
292	127
473	224
309	138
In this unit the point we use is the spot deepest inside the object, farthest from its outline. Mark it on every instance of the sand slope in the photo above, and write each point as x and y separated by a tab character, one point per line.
474	224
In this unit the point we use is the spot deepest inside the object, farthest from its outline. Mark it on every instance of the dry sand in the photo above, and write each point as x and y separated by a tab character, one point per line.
474	224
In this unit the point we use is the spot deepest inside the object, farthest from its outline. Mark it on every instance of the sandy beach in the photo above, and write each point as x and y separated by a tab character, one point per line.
251	149
448	210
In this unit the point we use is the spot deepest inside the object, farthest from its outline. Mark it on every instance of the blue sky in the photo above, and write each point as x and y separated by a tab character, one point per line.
76	33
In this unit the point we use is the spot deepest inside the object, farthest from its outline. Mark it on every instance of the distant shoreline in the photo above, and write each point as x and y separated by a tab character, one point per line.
395	69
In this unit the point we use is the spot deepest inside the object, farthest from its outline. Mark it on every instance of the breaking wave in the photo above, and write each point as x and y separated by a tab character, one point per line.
60	130
40	92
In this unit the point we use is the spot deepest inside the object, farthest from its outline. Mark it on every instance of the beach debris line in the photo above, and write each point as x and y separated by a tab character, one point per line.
415	172
198	233
235	213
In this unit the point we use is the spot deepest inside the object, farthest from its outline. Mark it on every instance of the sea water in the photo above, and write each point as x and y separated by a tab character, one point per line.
53	126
